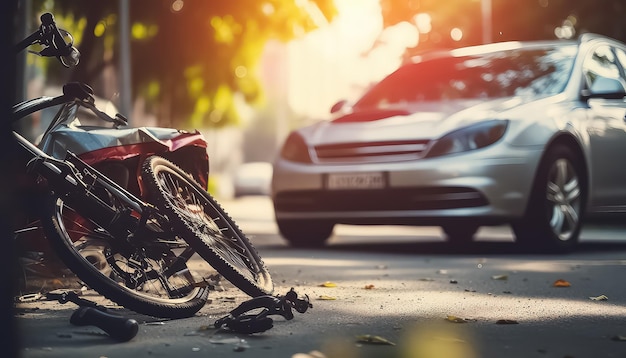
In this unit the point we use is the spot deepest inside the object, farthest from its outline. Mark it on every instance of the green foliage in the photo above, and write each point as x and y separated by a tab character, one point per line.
190	58
205	52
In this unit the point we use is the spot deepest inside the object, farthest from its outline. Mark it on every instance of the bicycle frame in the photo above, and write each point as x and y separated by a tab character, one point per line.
109	204
68	180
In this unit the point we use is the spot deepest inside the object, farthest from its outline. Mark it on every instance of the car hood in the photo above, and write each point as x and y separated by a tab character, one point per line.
420	121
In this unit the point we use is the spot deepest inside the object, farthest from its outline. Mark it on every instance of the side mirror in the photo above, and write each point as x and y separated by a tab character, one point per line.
606	88
338	106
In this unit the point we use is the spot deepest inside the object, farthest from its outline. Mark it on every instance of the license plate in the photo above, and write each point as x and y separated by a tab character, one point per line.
355	181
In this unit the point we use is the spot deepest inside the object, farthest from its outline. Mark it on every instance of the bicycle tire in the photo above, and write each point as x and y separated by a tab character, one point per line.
68	232
204	224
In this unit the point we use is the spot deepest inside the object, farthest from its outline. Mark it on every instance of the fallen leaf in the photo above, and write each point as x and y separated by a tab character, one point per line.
369	287
326	298
328	284
506	321
311	354
454	281
500	277
561	283
599	298
367	338
455	319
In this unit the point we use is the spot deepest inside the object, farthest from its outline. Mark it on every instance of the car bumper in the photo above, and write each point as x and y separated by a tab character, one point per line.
481	186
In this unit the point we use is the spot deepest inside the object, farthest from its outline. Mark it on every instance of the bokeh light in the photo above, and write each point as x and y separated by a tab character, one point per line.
456	34
423	23
177	5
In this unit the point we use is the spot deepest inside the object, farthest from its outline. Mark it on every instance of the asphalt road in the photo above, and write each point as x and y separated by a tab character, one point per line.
396	292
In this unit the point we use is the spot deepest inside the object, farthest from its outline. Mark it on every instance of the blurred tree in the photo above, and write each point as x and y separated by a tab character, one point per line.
191	59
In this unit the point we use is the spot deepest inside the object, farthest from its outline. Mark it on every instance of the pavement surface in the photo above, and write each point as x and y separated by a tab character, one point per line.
378	299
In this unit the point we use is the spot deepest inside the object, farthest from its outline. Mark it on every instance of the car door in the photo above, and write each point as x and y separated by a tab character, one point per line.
607	128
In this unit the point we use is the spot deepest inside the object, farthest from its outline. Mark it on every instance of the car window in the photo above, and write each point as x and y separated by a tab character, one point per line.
621	57
493	75
602	73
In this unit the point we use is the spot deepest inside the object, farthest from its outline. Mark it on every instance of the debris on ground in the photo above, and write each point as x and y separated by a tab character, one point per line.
120	328
500	277
31	297
371	339
506	321
242	319
455	319
311	354
599	298
561	283
328	284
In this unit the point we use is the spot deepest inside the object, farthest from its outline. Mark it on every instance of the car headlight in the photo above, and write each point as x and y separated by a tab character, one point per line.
469	138
295	149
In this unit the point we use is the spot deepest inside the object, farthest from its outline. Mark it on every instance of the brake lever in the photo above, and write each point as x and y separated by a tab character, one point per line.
52	37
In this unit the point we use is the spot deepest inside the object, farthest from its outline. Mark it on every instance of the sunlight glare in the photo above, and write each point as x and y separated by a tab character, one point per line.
423	22
340	60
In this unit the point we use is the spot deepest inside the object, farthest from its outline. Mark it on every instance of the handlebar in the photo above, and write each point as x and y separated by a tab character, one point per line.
52	38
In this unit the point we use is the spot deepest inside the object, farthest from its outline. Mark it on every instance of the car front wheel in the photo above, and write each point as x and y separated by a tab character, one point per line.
305	233
553	218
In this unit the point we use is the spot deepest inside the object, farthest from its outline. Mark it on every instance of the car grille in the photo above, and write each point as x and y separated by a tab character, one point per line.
371	151
376	200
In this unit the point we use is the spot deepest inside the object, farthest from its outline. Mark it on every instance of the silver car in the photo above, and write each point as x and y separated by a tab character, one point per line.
530	134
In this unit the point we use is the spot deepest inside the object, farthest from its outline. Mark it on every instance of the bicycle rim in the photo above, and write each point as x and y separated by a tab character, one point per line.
207	227
143	283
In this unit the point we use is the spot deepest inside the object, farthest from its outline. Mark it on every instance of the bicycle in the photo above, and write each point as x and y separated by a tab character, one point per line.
148	238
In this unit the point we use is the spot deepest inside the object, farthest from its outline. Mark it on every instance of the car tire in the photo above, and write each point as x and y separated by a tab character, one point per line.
305	233
553	217
461	234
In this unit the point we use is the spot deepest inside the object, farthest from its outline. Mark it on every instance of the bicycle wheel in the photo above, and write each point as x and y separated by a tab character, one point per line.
152	277
204	224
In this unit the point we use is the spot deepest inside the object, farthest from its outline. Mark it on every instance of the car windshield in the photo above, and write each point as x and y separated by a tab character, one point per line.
521	71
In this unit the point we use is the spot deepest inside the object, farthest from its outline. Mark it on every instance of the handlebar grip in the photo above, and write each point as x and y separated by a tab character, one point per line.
53	37
47	19
119	328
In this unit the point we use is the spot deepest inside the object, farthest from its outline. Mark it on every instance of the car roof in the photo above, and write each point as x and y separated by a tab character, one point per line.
488	48
510	45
